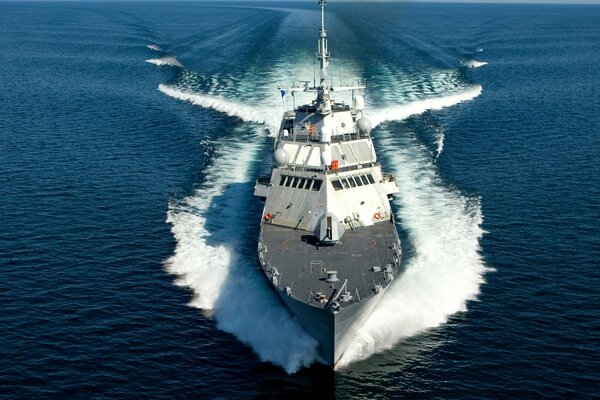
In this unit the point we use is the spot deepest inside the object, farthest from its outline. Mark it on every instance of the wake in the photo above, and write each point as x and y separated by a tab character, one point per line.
154	47
403	111
473	63
166	60
439	141
213	256
221	104
445	227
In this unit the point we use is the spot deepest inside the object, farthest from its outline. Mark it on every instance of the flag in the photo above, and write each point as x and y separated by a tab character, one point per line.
282	92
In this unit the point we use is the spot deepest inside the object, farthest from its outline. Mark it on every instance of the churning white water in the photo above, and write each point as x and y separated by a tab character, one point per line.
212	254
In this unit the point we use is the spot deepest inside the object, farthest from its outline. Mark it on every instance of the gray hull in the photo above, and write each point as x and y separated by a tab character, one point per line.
331	311
334	332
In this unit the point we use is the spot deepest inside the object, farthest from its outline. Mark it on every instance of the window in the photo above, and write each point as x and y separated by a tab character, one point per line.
352	181
299	182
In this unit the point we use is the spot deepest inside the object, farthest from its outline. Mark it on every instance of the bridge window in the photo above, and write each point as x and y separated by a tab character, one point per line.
301	183
353	181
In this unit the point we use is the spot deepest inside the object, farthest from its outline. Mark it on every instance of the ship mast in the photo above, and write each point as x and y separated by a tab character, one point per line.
323	100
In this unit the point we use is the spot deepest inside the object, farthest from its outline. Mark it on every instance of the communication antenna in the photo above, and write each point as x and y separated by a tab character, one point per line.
323	100
323	54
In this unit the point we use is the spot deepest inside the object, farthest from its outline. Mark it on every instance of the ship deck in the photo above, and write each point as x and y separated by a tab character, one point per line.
303	263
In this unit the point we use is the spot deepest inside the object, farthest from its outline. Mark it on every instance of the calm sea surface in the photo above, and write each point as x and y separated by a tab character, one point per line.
130	138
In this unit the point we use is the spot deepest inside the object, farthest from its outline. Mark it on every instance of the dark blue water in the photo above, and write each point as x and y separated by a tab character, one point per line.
127	248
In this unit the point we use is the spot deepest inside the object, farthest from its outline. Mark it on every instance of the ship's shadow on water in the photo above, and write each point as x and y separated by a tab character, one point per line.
232	217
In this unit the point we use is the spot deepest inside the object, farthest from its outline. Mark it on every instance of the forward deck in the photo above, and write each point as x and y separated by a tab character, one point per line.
361	257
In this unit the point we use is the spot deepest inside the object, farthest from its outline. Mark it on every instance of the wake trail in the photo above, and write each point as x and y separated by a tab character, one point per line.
166	60
403	111
154	47
439	140
213	250
232	108
473	63
211	257
447	269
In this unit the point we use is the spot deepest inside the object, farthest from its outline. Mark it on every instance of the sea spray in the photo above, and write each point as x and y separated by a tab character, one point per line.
229	107
446	270
167	60
473	63
154	47
403	111
212	258
396	87
439	141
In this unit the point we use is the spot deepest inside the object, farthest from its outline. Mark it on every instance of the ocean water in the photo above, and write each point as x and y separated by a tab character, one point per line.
131	135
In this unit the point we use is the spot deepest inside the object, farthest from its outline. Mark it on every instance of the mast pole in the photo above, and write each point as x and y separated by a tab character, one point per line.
323	101
323	55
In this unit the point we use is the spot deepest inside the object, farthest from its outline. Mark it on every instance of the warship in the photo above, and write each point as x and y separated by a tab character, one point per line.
328	241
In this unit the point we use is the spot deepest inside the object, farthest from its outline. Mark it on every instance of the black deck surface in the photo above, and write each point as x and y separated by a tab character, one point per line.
302	263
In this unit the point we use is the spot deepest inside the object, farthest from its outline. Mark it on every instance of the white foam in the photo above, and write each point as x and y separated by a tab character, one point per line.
211	259
221	104
154	47
401	87
439	139
166	60
403	111
447	269
443	225
473	63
